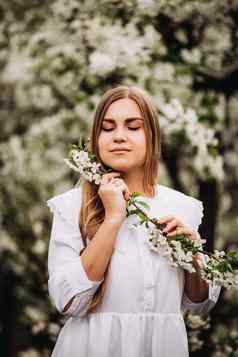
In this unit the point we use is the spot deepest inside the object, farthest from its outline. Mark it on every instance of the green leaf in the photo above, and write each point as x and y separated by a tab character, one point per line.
142	216
135	211
144	204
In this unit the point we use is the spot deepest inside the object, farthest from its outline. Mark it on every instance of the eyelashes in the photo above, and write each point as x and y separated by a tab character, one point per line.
112	129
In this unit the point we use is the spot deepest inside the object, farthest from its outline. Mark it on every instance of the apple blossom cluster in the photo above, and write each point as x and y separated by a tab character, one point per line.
221	269
218	268
174	118
83	161
178	250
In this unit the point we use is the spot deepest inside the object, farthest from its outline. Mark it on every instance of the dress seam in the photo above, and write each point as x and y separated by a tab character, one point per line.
138	313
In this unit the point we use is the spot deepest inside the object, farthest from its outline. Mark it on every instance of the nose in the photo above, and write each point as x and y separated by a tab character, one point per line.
119	135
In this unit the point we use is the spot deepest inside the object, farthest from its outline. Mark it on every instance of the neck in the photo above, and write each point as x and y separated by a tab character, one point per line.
134	183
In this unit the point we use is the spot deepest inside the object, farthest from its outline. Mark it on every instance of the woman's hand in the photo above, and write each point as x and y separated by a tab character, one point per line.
114	193
175	226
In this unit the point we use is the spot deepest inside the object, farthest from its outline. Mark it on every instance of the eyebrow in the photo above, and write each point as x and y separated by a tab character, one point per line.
111	120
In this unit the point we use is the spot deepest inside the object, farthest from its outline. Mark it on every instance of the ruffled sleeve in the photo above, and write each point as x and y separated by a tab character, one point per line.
194	212
67	277
194	215
187	208
202	308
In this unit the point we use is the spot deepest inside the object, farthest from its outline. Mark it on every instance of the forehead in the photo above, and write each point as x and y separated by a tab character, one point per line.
123	108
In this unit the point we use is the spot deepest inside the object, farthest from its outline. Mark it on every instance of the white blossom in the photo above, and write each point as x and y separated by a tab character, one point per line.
176	119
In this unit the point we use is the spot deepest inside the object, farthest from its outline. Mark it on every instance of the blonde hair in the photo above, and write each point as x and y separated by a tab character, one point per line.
92	211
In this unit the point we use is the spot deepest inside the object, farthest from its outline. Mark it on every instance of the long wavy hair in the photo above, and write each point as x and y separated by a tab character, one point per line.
92	211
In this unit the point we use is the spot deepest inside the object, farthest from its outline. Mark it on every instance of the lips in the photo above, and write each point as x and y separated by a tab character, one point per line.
119	150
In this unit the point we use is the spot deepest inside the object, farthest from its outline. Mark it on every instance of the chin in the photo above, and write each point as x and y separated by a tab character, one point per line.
117	167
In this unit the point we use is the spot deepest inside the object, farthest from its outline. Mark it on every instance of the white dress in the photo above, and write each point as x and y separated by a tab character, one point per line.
142	311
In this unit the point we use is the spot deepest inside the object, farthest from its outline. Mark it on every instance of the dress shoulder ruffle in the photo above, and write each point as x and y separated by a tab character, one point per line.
67	205
188	206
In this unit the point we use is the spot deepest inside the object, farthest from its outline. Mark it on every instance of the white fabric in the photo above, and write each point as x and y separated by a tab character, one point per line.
142	311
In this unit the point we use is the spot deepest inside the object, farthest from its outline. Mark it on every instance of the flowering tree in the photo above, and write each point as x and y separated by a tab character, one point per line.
56	59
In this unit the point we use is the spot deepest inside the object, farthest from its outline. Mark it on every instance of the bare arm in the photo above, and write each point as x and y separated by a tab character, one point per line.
97	254
95	258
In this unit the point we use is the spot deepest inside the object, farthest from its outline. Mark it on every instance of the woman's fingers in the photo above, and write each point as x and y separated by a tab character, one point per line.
115	180
172	225
121	183
171	222
107	177
193	235
165	219
180	230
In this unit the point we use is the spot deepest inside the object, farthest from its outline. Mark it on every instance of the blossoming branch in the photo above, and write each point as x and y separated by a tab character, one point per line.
218	268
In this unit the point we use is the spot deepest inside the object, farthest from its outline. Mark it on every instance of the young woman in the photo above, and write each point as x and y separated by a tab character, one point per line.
122	299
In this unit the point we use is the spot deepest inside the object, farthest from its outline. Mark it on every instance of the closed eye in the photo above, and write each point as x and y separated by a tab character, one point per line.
128	128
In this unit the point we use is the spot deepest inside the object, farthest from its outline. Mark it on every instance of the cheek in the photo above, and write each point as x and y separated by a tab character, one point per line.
103	143
141	141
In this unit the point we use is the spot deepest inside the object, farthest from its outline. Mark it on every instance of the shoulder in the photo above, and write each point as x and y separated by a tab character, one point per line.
67	204
176	195
188	207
